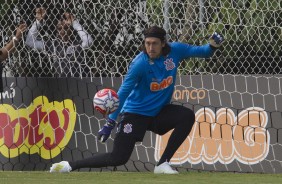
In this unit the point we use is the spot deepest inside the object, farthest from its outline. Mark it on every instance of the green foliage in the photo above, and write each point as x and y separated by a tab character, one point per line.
154	10
252	28
3	8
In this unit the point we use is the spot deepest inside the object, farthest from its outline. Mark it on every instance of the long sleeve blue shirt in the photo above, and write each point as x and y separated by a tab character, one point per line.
149	84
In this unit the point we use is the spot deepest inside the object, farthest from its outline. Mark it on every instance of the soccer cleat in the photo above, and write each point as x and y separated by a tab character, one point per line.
61	167
164	168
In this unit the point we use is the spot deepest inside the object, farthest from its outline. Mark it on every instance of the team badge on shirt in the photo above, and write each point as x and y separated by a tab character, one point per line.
169	64
127	128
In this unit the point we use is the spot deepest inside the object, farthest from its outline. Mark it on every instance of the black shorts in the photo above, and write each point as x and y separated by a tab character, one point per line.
133	125
136	125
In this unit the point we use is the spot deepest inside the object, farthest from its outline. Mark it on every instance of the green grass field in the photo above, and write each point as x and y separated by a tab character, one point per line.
135	178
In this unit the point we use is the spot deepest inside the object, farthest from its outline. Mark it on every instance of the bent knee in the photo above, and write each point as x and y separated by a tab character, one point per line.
188	115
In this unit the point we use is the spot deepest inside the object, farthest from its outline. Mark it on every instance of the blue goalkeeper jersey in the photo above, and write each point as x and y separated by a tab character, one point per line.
149	84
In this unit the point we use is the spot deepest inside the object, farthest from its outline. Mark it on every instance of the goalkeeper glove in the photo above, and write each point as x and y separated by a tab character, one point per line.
216	40
105	132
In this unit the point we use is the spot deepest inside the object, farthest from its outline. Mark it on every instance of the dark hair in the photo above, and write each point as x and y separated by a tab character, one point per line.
41	3
70	31
156	32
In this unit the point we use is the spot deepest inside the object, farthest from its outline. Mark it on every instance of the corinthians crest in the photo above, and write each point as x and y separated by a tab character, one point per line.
127	128
169	64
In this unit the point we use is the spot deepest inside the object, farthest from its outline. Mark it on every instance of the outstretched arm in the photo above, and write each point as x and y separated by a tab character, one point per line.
31	39
86	38
132	78
10	47
203	51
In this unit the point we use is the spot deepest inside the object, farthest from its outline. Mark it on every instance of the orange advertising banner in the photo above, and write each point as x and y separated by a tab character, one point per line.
222	137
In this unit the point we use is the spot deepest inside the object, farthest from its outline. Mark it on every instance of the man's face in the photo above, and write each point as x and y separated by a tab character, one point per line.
63	30
154	47
40	13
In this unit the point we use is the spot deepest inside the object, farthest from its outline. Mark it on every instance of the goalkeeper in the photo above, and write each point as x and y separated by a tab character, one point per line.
145	97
